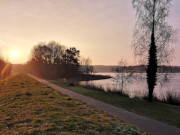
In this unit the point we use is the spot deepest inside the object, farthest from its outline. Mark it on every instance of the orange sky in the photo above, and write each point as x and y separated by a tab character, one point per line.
100	29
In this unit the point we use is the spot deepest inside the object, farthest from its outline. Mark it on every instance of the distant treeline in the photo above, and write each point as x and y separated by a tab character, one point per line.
23	68
5	68
137	69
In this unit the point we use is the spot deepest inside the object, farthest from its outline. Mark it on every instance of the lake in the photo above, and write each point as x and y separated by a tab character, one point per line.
138	87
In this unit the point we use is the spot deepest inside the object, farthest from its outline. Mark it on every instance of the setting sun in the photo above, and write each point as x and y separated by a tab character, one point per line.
15	53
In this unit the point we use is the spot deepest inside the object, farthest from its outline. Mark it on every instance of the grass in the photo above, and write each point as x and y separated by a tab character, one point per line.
166	113
101	88
172	98
28	107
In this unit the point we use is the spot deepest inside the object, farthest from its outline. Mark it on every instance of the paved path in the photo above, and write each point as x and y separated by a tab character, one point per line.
148	124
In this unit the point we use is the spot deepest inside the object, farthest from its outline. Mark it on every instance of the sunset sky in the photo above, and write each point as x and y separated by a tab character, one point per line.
100	29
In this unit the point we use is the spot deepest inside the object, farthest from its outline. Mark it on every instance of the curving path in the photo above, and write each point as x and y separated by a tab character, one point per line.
148	124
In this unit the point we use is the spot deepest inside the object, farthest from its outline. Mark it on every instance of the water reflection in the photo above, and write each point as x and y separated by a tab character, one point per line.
139	86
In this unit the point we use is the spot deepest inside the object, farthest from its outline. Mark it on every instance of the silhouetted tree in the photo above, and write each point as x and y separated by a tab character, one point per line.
40	58
45	60
152	37
70	62
53	60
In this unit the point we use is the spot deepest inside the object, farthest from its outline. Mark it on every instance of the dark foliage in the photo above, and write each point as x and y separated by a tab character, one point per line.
71	84
152	67
70	63
171	98
54	61
88	77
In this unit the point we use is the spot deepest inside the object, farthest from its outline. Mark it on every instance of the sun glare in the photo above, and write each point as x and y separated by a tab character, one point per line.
15	53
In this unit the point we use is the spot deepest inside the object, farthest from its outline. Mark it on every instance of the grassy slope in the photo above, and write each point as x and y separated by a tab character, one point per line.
163	112
29	107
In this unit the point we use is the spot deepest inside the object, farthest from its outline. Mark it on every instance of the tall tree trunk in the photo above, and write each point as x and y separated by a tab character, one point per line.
152	67
152	61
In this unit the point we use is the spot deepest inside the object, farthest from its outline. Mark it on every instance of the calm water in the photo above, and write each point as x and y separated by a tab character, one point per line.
139	86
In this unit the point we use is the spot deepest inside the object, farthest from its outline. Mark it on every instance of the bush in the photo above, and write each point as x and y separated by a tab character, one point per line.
71	84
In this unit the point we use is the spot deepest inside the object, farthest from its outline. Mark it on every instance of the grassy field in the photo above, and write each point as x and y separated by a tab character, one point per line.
28	107
166	113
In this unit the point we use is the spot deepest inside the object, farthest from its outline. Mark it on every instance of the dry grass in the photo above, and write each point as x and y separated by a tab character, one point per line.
31	108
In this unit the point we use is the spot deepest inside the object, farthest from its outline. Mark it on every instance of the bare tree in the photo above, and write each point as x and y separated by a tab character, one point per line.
125	75
152	37
86	65
57	52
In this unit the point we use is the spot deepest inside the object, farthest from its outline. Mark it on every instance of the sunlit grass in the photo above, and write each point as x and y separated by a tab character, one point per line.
29	107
